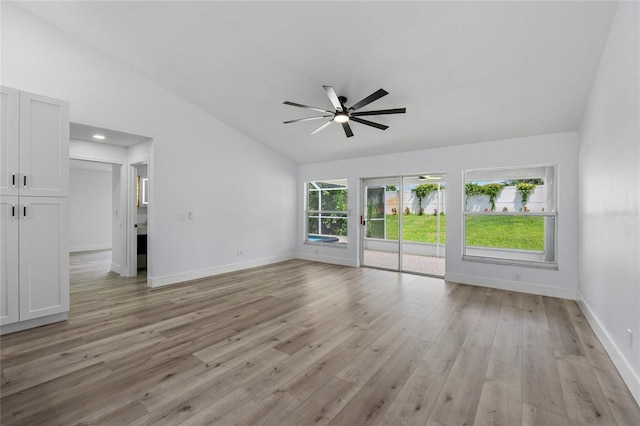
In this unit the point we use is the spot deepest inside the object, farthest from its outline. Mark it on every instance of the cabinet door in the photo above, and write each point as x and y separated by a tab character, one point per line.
9	128
44	146
9	260
44	256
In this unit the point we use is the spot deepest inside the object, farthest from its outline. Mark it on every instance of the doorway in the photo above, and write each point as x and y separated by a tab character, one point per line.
404	223
95	209
124	151
141	219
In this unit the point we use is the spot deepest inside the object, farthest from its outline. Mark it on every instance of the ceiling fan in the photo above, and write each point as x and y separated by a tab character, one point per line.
343	115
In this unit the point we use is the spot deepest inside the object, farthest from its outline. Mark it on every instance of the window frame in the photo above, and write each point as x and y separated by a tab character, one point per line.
551	184
321	214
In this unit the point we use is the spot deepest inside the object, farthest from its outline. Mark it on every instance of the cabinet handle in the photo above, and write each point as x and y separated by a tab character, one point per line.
24	211
13	211
13	180
25	181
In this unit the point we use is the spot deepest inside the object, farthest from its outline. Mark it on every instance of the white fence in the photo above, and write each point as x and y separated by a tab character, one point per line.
435	200
510	199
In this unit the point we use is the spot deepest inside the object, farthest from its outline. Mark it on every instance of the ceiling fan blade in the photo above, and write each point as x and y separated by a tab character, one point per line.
321	127
366	101
347	129
306	119
333	97
380	112
307	107
369	123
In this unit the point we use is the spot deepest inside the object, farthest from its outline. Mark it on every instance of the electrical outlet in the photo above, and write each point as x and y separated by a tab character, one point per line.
239	253
191	215
629	337
181	216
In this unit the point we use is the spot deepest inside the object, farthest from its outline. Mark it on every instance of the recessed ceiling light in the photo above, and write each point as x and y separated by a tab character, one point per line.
100	137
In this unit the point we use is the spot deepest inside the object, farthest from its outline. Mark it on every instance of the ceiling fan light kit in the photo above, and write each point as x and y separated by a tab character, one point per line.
343	115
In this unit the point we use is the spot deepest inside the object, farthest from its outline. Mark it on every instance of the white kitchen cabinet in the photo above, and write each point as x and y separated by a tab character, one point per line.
44	256
34	145
34	257
9	301
34	215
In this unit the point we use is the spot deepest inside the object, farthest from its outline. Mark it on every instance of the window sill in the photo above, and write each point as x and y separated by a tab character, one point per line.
321	244
512	262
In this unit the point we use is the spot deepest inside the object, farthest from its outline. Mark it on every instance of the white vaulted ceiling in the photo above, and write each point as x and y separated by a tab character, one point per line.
466	71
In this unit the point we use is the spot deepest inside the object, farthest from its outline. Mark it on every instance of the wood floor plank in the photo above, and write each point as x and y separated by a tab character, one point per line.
458	401
534	313
370	403
415	401
623	407
541	387
508	343
370	360
564	336
501	397
162	399
324	404
277	377
608	377
585	401
17	406
119	414
299	343
534	416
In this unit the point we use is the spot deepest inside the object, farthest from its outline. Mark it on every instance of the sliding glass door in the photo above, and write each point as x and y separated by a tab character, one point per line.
424	224
404	223
381	223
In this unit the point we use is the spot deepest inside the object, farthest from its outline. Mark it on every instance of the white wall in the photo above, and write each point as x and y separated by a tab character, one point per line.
117	214
94	151
609	163
560	149
199	163
89	209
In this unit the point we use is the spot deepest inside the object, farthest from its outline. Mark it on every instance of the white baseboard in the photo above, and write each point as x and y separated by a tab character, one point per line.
90	247
627	373
115	268
32	323
541	290
328	259
217	270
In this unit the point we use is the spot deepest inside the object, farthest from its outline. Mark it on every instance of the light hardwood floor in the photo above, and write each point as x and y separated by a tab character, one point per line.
307	343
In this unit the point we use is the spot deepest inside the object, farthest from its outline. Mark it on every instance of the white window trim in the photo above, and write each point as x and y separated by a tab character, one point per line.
530	263
309	213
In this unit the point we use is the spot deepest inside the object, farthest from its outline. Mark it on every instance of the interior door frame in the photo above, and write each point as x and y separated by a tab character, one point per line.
131	254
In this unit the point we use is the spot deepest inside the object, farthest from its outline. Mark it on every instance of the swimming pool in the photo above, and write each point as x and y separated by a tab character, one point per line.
322	239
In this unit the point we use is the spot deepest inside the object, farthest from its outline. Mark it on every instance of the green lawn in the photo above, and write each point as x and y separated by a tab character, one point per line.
416	228
510	232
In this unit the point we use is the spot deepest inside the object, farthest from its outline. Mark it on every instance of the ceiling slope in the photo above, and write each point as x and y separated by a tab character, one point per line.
466	71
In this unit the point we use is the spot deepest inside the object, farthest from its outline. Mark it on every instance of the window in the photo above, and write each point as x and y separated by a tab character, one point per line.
327	211
510	216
